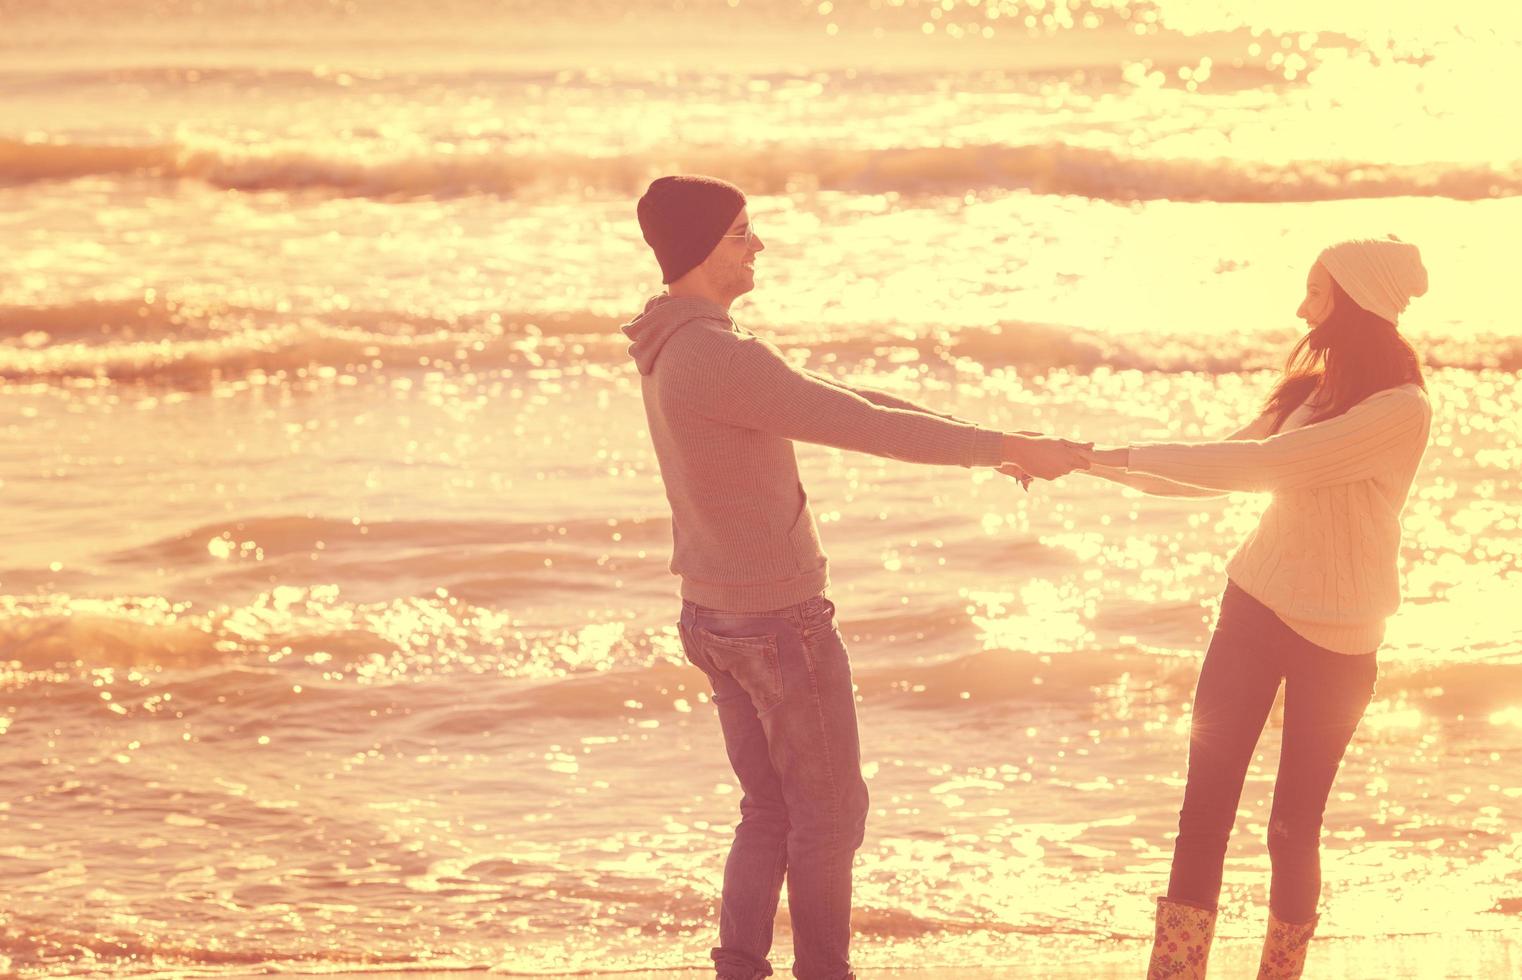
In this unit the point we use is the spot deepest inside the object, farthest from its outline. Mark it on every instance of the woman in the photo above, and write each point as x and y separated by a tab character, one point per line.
1338	444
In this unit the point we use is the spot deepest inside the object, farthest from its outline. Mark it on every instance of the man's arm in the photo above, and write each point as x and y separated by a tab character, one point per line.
883	399
760	390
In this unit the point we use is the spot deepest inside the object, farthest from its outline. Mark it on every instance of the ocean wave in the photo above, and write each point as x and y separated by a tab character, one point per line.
478	562
178	346
999	678
280	536
339	647
191	74
1084	67
426	614
1050	168
175	346
114	634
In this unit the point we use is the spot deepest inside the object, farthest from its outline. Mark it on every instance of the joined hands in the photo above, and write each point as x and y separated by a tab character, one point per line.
1031	455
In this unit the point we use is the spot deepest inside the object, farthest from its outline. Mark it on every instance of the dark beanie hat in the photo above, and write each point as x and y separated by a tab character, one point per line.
683	218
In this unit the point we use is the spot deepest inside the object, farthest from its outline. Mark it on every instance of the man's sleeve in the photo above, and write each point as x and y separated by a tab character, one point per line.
760	390
883	399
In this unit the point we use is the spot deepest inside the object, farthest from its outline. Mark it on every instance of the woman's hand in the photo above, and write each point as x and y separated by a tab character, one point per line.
1042	457
1118	457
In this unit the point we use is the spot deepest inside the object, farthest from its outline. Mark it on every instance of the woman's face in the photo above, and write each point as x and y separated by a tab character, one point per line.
1317	305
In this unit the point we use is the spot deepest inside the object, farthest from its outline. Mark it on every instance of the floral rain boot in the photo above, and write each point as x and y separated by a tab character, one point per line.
1284	949
1181	941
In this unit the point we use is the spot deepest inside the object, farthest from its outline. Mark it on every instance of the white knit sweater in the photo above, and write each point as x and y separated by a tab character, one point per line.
1325	556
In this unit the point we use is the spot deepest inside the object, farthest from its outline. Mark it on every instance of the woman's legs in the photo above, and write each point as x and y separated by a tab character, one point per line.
1325	695
1237	685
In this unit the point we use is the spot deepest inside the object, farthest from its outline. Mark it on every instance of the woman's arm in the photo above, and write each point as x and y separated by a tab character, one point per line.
1154	486
1158	486
1364	441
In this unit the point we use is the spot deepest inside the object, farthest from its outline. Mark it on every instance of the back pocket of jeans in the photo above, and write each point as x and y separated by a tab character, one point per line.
752	661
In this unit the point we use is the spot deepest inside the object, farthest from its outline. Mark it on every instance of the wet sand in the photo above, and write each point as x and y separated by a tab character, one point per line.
1468	955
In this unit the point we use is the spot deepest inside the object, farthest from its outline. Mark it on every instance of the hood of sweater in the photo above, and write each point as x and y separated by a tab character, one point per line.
664	315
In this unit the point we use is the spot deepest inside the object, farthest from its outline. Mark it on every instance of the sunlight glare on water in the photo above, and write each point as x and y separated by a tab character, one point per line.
336	624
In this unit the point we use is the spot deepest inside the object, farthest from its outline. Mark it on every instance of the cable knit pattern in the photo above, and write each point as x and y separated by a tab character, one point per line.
724	408
1258	428
1325	556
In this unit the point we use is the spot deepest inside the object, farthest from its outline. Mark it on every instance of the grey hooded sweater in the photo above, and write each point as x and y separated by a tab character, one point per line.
724	408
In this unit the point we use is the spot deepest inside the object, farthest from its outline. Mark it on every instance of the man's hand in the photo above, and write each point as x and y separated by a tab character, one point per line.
1017	474
1043	457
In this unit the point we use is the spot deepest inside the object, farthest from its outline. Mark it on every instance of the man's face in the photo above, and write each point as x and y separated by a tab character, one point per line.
731	267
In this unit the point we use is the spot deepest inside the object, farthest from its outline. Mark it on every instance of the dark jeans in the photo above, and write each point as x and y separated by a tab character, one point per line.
1325	694
782	685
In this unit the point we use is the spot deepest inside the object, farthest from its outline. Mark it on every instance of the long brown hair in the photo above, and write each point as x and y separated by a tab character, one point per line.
1349	356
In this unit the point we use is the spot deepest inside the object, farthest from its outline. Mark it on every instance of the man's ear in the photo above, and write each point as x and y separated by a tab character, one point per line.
698	274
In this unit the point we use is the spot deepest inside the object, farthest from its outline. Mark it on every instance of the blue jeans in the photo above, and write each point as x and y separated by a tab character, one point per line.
1325	694
782	685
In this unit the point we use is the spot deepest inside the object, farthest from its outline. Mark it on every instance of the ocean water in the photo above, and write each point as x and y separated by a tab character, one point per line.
335	623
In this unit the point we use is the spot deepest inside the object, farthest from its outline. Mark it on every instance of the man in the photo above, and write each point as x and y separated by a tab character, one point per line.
724	408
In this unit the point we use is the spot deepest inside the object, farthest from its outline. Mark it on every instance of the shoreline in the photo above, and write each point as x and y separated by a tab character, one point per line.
1475	955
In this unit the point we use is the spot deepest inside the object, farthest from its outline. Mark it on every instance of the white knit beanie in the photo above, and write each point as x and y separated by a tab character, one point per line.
1379	274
